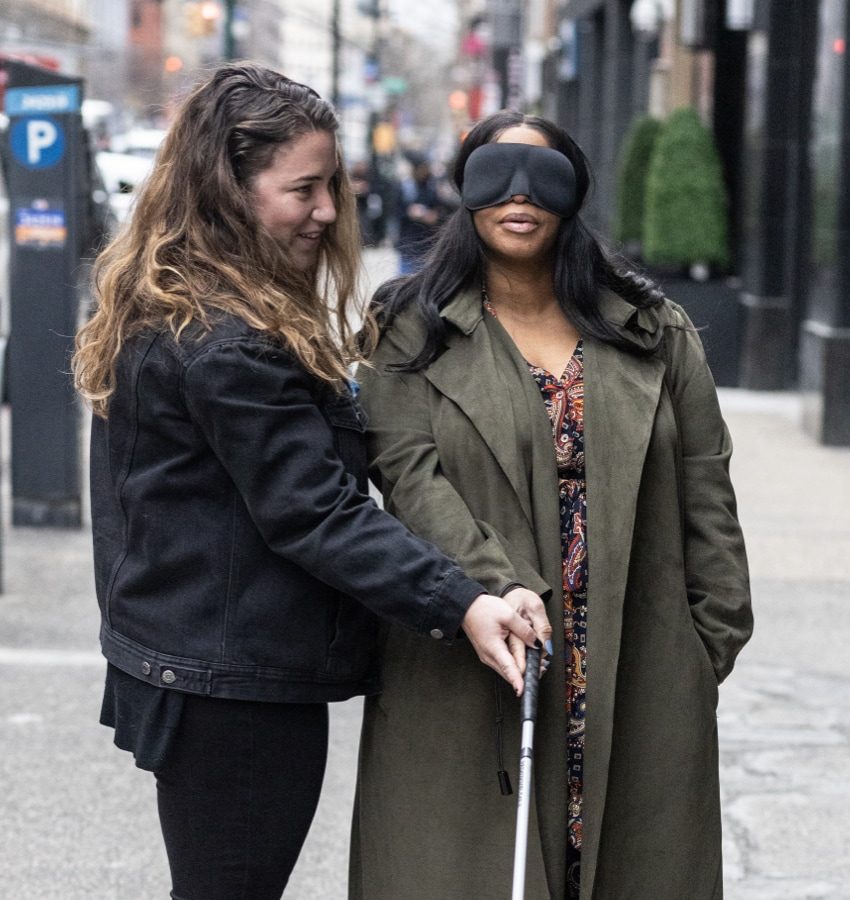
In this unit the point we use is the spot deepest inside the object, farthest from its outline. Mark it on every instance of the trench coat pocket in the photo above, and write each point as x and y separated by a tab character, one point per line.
706	664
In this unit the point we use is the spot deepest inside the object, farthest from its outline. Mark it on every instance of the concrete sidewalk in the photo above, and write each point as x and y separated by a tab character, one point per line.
80	821
784	715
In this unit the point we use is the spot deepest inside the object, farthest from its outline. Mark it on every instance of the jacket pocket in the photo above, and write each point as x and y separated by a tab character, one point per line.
348	423
353	644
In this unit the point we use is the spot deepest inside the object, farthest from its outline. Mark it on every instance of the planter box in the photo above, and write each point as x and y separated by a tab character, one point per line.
714	308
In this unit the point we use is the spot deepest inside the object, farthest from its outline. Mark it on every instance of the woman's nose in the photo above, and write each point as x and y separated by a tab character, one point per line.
325	209
519	198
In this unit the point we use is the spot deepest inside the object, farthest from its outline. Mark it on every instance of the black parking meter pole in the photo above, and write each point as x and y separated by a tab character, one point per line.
46	188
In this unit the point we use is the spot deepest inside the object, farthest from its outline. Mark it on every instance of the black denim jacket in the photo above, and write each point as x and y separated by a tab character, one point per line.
237	553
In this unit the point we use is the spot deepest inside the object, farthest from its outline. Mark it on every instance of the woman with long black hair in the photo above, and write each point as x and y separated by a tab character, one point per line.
547	418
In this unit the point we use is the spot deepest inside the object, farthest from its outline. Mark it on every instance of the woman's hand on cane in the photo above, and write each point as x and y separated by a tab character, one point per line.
491	621
530	607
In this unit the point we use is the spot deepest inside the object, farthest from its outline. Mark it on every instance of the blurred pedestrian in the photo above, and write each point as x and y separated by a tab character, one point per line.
239	560
547	418
370	204
420	214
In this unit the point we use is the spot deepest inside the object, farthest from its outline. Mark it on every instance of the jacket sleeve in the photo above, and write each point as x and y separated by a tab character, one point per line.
715	558
255	407
405	463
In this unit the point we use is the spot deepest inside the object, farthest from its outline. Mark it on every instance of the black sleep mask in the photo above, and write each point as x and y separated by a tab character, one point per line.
496	172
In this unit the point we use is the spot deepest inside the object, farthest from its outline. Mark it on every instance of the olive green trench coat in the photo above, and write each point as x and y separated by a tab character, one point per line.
463	453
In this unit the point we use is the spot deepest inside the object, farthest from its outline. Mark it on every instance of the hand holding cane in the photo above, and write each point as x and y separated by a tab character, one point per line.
529	717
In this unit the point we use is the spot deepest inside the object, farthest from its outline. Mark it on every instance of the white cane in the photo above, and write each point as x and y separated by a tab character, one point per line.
526	759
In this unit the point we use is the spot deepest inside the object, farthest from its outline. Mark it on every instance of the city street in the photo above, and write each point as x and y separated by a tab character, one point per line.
80	821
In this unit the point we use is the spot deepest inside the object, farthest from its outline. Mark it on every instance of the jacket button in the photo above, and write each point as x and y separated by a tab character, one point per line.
436	634
146	668
168	676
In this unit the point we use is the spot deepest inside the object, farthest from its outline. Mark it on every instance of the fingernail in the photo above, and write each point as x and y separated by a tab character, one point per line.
548	646
537	644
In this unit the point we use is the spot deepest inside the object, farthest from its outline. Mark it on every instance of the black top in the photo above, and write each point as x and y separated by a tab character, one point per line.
144	717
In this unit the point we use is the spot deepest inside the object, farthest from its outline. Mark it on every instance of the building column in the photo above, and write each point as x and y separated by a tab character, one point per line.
729	107
616	102
825	333
780	60
505	18
645	51
591	38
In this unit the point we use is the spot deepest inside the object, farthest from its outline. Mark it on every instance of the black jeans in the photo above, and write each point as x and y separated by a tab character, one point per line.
237	794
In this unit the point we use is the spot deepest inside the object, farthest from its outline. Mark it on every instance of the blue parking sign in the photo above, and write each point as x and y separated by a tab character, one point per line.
38	142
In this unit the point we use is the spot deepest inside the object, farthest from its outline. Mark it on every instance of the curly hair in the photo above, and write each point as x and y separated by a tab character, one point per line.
194	244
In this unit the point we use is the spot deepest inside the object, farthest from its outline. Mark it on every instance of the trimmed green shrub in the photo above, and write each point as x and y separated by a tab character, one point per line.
632	170
685	214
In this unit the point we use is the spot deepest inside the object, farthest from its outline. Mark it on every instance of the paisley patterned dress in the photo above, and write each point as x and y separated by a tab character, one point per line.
564	401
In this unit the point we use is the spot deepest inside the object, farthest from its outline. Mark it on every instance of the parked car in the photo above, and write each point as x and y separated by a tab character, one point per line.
138	141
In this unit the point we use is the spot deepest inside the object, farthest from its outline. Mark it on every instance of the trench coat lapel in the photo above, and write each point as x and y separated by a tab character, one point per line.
621	397
468	374
486	375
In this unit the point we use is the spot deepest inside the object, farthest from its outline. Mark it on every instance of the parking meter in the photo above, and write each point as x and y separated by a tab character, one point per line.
46	187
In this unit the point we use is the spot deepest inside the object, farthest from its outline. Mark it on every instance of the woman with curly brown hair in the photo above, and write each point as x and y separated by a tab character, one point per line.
239	560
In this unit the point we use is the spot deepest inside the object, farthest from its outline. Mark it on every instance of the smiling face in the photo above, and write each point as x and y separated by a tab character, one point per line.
518	231
293	199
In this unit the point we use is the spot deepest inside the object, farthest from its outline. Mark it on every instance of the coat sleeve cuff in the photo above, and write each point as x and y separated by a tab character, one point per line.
448	606
529	578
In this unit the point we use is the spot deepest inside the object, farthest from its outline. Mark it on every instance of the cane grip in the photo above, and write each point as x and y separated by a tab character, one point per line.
531	683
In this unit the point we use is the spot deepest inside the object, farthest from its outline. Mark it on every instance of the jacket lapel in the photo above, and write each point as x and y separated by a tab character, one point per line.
468	374
622	392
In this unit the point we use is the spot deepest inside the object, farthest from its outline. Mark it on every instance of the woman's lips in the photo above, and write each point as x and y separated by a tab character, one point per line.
520	223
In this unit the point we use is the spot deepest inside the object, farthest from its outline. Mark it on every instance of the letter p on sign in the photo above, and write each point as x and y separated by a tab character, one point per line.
37	142
41	134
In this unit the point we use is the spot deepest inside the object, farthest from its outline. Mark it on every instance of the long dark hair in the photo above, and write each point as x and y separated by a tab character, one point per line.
458	257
